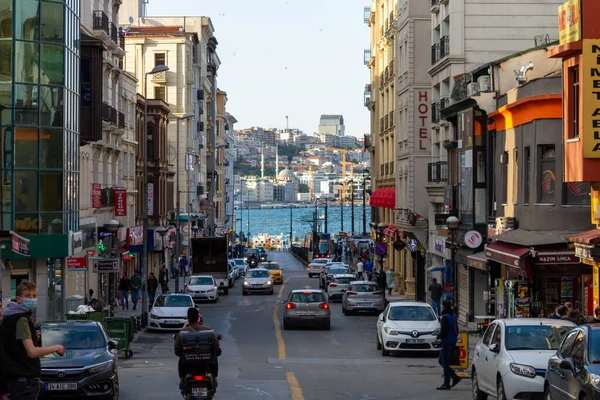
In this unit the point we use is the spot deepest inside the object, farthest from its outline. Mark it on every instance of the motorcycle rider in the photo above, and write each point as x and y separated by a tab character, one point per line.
195	324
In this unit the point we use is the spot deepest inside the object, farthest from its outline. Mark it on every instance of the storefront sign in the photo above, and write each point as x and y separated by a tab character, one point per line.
109	266
150	199
439	244
423	115
463	351
76	264
120	202
583	252
20	245
473	239
91	253
569	25
591	100
556	258
96	195
27	224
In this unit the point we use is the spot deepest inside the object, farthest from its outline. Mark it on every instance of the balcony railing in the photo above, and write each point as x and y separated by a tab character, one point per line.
121	120
435	112
381	79
367	56
106	112
381	126
391	117
367	14
122	40
444	103
382	169
392	70
386	122
387	73
435	53
113	116
437	172
367	99
386	168
114	33
444	46
391	168
101	21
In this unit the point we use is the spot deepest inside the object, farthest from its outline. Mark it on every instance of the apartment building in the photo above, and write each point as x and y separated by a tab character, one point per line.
223	151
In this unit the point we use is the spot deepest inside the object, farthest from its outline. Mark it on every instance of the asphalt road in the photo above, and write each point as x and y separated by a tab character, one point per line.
261	361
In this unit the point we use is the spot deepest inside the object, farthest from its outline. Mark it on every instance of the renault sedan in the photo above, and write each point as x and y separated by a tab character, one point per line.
169	312
258	280
202	287
306	308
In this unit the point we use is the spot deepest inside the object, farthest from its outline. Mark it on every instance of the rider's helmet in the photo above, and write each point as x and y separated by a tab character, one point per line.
194	315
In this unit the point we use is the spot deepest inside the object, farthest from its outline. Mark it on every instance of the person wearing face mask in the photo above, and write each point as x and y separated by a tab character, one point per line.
20	349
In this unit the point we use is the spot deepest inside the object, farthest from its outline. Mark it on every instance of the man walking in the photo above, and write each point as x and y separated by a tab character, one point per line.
436	291
360	270
449	336
151	286
136	285
163	279
19	345
124	288
369	269
184	265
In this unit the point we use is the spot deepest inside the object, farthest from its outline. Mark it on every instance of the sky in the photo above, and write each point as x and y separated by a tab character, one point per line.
300	58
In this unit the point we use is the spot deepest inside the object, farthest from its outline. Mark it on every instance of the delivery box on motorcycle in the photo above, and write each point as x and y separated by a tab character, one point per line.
198	347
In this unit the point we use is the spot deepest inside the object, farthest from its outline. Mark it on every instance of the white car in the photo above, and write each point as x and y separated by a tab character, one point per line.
258	280
202	287
242	266
407	326
511	359
316	266
169	312
339	284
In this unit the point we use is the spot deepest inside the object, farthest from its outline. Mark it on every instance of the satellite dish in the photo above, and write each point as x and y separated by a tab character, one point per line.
131	20
143	20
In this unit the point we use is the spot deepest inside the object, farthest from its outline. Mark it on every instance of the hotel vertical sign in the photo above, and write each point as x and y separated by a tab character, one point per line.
569	22
591	97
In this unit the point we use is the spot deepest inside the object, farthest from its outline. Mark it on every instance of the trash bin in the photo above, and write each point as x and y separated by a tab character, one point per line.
121	331
99	316
73	303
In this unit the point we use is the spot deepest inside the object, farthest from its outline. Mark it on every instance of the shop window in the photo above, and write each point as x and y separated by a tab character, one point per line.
26	191
574	106
515	193
526	175
547	174
160	93
52	26
27	19
576	193
51	223
504	193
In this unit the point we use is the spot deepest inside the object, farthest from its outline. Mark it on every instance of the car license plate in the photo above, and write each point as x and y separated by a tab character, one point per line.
362	304
307	317
413	341
167	322
199	393
61	386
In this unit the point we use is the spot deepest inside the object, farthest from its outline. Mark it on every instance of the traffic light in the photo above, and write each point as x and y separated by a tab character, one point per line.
101	247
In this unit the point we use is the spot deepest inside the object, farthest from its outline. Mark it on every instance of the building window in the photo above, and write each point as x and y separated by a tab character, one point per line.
574	78
515	193
576	193
504	198
160	59
547	174
526	177
160	93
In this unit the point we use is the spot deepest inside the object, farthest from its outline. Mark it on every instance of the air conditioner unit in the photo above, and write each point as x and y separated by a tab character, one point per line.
472	89
484	83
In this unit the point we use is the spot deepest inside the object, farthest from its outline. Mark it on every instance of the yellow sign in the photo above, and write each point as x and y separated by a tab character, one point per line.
463	351
569	22
590	69
595	284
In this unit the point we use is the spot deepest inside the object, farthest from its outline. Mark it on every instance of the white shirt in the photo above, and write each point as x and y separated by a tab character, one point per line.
360	266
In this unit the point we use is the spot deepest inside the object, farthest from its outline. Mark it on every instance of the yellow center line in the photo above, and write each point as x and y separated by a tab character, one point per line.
282	287
295	388
278	335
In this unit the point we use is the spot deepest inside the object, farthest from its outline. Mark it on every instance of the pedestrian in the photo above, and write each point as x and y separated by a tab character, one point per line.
435	291
555	314
151	285
20	349
163	279
172	267
136	285
124	288
183	262
448	336
369	269
390	280
563	313
360	270
596	319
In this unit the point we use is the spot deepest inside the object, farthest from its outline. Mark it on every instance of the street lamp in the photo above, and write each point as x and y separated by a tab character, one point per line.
364	199
452	223
157	69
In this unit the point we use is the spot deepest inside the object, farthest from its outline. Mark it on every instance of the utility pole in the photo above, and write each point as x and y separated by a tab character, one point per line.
352	209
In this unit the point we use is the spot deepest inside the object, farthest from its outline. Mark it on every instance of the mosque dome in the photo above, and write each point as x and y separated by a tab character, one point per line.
286	175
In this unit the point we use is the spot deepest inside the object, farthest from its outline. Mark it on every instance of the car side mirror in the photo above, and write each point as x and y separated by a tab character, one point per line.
281	269
567	364
382	318
112	345
196	306
495	348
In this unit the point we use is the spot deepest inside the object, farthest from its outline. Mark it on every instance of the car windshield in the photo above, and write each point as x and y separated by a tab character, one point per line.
344	280
411	313
258	274
366	288
307	297
239	262
320	261
334	271
73	336
204	281
173	301
535	337
595	346
270	267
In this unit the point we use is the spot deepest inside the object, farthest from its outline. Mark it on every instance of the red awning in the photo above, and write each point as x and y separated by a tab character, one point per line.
508	254
590	238
391	230
384	198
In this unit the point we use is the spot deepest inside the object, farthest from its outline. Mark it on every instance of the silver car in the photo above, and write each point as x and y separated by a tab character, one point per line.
317	266
306	307
363	296
339	284
258	280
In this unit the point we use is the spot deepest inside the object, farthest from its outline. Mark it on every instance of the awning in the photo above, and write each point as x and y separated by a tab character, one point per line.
523	237
550	256
590	238
507	254
384	198
478	260
435	268
391	230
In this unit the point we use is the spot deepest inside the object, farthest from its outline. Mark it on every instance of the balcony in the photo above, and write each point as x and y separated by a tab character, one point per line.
437	172
121	120
367	141
160	77
386	123
444	46
382	170
386	168
367	98
113	116
444	103
367	14
436	112
391	119
391	168
106	112
122	40
101	22
435	53
114	34
381	125
387	73
367	56
392	70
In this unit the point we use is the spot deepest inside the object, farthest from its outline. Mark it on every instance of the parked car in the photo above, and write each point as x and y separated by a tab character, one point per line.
328	273
363	296
202	287
574	371
258	280
89	367
510	360
338	285
407	326
306	307
316	266
242	266
169	312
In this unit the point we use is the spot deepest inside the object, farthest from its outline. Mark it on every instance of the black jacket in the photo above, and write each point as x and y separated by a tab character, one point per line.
15	361
124	284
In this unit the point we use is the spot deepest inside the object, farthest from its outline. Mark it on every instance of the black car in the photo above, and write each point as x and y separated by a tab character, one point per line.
574	371
89	367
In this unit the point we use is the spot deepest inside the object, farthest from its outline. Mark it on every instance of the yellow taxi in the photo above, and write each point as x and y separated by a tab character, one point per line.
274	269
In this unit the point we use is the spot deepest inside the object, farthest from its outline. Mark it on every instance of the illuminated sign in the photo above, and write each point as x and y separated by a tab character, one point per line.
591	98
423	117
569	22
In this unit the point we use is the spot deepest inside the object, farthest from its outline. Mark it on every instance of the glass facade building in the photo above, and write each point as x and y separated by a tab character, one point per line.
39	116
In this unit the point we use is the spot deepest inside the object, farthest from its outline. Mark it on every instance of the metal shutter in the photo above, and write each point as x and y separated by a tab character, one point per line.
480	279
463	293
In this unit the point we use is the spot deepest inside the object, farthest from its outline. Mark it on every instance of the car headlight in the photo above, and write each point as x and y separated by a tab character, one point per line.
524	370
595	379
245	259
153	316
436	332
100	367
390	331
269	282
246	283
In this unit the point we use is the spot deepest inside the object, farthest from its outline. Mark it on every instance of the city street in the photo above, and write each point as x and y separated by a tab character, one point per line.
261	361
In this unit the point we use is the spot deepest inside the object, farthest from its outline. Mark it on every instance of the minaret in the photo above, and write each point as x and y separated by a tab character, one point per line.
262	162
276	161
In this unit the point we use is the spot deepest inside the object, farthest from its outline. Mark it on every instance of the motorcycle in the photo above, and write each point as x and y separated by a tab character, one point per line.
199	386
199	351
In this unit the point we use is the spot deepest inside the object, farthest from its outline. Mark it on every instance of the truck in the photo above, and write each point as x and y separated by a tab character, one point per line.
209	257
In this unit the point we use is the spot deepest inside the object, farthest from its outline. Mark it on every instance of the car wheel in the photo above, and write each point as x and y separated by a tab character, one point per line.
547	395
271	292
378	343
327	326
384	352
244	293
500	392
477	394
